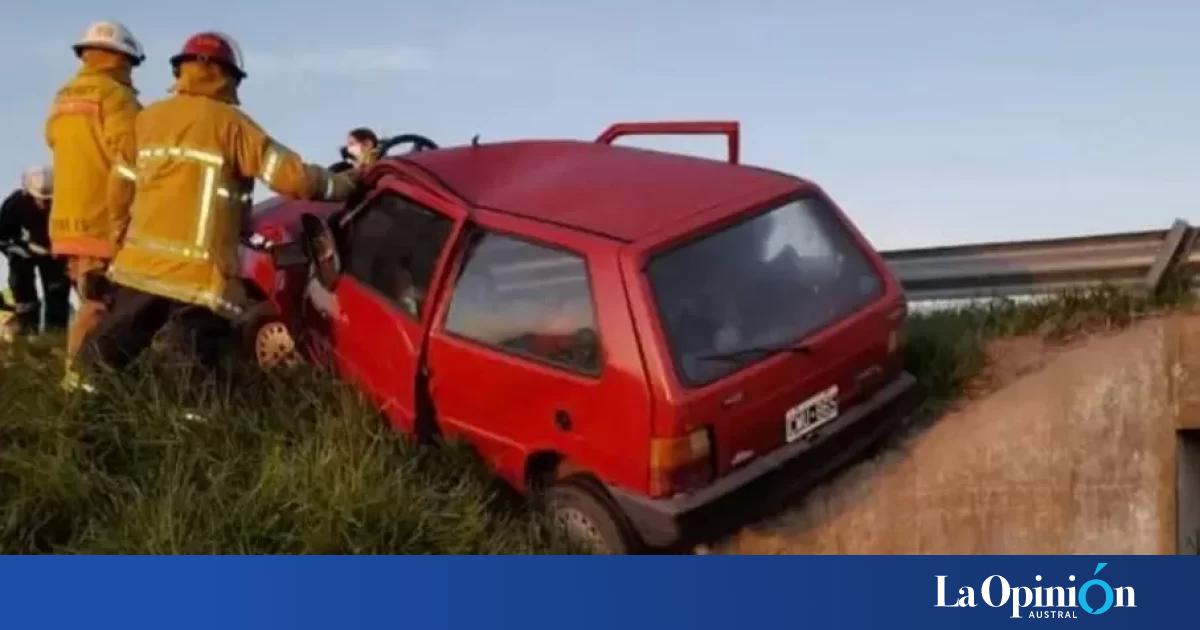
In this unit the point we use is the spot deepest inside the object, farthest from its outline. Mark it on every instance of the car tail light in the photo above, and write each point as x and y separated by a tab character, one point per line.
680	463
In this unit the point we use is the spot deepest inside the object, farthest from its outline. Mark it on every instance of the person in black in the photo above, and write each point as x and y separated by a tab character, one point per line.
361	149
25	239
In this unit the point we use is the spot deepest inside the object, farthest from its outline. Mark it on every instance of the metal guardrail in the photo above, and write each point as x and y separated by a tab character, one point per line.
1137	261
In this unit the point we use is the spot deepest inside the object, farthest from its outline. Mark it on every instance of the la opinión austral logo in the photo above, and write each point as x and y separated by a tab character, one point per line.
1039	601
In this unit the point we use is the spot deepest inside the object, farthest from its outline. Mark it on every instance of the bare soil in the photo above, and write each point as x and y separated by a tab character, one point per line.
971	480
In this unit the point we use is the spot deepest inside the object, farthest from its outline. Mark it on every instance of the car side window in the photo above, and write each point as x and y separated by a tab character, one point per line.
527	299
393	247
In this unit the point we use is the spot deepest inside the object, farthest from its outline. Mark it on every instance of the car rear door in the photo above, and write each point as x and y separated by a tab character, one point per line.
392	251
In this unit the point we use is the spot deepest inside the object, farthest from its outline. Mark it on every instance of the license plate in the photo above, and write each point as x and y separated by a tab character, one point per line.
810	414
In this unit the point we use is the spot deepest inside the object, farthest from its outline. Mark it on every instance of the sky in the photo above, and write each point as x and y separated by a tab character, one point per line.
929	122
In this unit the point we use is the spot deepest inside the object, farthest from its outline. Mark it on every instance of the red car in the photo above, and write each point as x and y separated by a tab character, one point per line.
642	335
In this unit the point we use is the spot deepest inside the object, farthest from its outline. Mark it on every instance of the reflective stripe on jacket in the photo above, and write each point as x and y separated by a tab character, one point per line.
90	131
197	158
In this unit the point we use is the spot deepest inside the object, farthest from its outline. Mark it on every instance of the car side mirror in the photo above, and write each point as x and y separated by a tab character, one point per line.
321	250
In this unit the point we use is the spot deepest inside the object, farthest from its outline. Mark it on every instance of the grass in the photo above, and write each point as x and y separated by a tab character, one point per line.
947	349
252	463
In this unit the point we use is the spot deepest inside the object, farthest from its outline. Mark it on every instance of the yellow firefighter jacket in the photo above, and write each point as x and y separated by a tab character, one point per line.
197	158
90	132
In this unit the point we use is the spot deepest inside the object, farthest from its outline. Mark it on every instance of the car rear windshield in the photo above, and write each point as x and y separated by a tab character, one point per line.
766	282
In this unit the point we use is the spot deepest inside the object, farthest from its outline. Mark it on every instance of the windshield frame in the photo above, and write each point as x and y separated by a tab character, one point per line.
668	351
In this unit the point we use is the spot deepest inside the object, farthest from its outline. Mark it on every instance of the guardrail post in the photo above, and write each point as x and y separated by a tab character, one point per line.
1167	254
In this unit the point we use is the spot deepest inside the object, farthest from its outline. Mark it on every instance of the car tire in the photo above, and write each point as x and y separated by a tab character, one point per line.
267	341
587	520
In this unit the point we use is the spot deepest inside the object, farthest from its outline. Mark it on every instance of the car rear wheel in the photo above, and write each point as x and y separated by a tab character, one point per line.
587	521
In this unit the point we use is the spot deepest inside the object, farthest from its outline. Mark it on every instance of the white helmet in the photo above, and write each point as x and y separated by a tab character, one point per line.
38	181
111	36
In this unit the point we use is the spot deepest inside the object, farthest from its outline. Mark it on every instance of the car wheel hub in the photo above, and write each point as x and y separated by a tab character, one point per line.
273	345
580	529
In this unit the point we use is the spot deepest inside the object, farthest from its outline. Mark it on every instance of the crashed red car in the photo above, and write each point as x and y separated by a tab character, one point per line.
644	336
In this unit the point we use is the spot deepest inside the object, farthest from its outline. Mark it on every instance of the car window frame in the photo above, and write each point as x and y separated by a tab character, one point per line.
477	230
425	314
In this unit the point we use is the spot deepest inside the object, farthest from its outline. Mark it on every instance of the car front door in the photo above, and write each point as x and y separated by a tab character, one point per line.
516	361
392	251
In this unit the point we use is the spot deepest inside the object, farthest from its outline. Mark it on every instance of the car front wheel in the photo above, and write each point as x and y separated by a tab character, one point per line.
267	340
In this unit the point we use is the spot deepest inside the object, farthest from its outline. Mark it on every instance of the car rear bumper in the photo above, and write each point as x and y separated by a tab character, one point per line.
791	468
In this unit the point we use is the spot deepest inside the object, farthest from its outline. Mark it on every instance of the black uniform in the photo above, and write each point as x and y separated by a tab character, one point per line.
25	239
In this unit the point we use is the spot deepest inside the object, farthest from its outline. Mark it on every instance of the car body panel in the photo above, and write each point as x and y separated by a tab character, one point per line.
375	343
616	208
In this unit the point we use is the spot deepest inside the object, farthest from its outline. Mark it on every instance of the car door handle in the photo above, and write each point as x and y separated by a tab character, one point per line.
562	420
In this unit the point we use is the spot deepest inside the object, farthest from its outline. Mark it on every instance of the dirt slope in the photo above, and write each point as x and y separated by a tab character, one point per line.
1065	449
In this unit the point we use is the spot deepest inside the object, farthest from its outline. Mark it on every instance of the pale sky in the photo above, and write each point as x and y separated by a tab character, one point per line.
930	122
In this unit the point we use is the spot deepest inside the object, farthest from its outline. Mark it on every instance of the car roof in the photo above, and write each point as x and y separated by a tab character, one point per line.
620	192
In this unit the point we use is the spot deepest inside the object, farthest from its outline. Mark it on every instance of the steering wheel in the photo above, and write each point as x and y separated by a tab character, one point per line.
418	142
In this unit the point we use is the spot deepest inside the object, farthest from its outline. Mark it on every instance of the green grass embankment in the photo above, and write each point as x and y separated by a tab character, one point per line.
258	463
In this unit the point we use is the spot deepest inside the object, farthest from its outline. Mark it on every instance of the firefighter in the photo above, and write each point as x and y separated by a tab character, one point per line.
198	155
90	133
24	225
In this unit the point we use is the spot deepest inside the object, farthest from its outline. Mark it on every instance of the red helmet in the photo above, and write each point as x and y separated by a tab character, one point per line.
212	46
